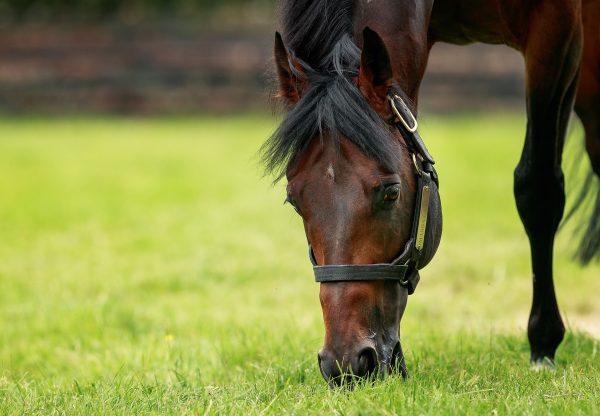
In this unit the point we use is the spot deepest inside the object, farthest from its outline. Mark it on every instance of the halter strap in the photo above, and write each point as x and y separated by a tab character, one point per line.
403	269
398	270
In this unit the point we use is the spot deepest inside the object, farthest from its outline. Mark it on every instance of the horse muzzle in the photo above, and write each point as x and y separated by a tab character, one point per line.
363	363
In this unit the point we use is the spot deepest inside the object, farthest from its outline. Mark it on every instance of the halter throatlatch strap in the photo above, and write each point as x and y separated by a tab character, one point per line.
404	269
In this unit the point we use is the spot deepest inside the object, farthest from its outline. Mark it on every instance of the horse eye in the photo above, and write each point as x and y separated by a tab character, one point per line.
392	192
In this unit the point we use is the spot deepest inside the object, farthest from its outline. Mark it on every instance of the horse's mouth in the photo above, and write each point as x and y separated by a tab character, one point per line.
395	364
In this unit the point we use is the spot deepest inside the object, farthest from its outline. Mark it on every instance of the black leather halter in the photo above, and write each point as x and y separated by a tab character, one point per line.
404	268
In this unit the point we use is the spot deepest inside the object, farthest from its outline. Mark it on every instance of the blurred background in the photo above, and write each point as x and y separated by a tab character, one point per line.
190	56
148	266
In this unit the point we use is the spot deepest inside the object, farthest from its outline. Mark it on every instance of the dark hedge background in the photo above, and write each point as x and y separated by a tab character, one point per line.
20	10
190	56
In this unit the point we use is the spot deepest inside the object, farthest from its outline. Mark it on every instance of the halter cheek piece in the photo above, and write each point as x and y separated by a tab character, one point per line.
404	269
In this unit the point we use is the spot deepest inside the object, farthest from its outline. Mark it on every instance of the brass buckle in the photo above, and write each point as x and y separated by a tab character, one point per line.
399	115
422	222
416	164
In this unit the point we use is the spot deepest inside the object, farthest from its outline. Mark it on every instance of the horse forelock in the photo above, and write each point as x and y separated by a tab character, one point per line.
329	61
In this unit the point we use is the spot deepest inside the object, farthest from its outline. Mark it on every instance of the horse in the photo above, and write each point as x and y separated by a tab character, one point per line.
363	181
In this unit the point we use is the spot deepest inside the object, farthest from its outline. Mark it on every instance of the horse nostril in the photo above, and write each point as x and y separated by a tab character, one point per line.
366	362
363	364
330	369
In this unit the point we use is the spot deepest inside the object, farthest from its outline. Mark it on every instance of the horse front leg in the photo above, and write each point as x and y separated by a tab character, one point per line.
552	57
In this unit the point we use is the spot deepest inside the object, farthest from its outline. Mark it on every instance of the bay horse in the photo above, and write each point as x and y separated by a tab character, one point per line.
362	179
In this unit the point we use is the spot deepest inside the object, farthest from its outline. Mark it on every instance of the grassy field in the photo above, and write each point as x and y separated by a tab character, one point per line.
147	268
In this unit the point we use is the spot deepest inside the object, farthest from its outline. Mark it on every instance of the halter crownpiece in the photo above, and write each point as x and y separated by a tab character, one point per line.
404	269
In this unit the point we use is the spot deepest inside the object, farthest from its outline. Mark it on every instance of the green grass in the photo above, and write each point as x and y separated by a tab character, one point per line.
146	267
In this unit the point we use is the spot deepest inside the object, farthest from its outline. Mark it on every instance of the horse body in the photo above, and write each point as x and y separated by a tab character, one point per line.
336	183
587	103
466	21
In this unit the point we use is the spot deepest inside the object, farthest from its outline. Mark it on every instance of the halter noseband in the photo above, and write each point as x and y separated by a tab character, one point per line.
404	269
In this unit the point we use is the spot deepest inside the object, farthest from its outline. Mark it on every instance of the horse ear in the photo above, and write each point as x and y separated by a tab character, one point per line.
375	76
289	85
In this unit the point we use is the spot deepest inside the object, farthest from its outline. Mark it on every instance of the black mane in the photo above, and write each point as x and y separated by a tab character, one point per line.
318	33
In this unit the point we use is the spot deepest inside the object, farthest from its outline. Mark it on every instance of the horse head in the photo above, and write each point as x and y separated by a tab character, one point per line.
357	177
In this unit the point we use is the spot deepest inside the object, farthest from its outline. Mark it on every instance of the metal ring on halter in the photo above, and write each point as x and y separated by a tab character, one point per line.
399	115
